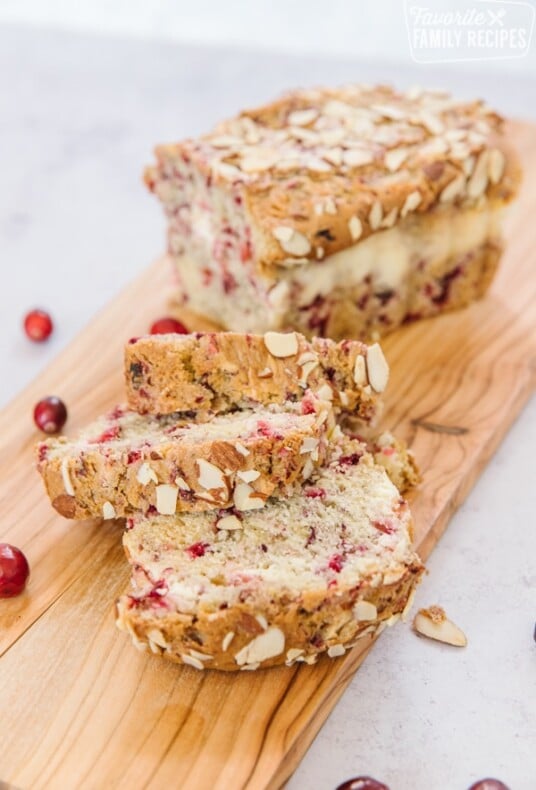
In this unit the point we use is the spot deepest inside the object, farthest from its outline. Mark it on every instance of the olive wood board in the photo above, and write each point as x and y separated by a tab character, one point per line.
79	706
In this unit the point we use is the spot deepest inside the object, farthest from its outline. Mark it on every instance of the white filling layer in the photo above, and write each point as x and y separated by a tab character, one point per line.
387	257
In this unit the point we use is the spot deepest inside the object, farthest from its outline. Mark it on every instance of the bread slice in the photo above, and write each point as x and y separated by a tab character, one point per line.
342	212
307	575
126	462
224	371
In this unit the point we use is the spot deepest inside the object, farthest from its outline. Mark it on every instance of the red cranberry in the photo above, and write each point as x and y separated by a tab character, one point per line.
336	562
362	783
489	784
166	326
38	325
14	571
50	414
197	549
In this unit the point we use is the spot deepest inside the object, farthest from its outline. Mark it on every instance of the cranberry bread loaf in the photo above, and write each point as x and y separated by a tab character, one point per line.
307	575
126	462
341	213
223	371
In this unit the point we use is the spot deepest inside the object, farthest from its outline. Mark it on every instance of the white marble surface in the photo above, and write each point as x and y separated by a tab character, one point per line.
79	116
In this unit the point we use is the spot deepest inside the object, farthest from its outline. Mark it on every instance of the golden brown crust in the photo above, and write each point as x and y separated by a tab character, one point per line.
314	624
320	170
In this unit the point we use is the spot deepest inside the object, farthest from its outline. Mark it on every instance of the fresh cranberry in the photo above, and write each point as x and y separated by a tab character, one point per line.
489	784
166	326
50	414
38	325
336	562
197	549
133	456
362	783
14	571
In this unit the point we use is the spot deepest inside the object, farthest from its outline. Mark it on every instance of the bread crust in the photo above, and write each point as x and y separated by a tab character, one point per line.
366	159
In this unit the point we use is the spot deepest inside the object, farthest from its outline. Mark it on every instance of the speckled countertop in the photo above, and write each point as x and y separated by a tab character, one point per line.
79	117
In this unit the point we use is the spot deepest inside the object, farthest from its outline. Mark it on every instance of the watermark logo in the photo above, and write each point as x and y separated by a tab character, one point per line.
452	30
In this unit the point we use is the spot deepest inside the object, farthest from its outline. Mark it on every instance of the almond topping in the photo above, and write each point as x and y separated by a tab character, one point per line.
390	219
181	483
239	447
453	189
191	661
360	371
325	392
246	498
166	499
229	522
281	344
377	368
478	182
355	227
434	624
375	215
226	641
364	610
267	645
65	476
249	475
302	117
496	165
357	158
145	474
411	203
292	241
108	511
394	158
210	477
265	373
330	207
261	619
308	445
336	650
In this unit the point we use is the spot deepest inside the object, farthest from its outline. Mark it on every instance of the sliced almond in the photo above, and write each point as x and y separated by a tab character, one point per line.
65	476
357	158
239	447
248	475
320	252
166	499
210	476
146	474
293	653
191	661
453	189
229	522
157	637
496	163
281	344
309	444
478	182
434	624
395	158
108	511
360	371
226	641
246	498
269	644
330	207
376	215
181	483
336	650
364	610
390	218
292	241
325	392
377	368
265	373
262	621
302	117
411	203
355	227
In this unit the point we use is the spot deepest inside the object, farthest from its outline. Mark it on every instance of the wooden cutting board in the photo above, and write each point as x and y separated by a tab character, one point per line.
79	707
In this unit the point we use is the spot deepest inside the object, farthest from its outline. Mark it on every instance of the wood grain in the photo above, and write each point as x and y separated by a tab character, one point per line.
79	707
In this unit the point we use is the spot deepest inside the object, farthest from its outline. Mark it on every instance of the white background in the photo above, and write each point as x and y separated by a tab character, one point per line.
374	30
80	113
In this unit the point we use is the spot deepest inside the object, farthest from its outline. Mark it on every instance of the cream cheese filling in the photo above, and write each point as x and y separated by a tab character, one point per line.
388	256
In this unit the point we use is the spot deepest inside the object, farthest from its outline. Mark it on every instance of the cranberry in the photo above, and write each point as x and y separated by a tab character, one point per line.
50	414
362	783
14	571
197	549
38	325
336	562
166	326
489	784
